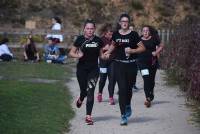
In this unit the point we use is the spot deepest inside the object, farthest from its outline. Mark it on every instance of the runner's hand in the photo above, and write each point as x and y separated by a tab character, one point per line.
80	54
154	53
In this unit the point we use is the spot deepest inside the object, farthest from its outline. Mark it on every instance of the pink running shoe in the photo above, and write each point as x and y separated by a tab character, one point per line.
78	103
111	101
88	120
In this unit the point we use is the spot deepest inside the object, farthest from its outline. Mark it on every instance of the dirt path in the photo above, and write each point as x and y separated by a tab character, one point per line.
168	114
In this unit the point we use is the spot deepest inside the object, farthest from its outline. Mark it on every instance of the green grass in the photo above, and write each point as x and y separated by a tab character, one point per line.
30	70
34	108
195	108
170	78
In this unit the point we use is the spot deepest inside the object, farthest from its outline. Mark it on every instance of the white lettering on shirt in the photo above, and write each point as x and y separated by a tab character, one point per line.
93	44
122	40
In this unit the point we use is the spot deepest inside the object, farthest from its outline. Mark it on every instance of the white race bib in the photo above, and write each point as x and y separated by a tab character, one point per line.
103	70
145	72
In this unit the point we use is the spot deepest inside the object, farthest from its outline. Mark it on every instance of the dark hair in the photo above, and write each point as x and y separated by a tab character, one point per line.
58	20
106	28
55	40
31	40
89	21
117	26
32	45
50	38
153	32
4	40
124	15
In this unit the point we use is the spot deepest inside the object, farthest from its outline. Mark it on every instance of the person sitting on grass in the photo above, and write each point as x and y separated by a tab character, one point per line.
52	52
5	54
30	51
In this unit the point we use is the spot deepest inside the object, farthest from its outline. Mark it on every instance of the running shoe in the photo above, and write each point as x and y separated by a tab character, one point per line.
124	120
128	111
111	101
88	120
99	97
78	103
147	103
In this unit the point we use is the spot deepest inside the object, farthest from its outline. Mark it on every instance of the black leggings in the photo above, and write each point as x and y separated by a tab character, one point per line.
149	83
6	57
111	79
125	76
87	79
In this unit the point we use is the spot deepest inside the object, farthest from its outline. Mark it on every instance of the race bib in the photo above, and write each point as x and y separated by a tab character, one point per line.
103	70
145	72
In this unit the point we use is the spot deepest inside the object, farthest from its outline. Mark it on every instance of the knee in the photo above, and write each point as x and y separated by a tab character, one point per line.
84	93
90	98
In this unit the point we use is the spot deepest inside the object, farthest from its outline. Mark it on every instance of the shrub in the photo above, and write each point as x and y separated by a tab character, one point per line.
163	10
182	57
36	38
137	5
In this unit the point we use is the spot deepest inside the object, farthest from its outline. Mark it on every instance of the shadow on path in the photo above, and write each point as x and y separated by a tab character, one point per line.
104	118
141	119
160	102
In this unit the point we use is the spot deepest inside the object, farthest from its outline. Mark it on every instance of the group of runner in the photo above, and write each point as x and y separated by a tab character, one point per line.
117	54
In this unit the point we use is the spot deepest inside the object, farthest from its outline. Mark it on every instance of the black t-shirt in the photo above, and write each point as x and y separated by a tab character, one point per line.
90	48
122	41
150	46
146	57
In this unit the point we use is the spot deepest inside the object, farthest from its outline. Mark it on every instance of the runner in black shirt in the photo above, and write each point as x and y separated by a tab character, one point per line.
148	61
87	49
127	45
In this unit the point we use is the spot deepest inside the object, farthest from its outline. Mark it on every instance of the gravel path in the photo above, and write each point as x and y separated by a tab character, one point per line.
168	114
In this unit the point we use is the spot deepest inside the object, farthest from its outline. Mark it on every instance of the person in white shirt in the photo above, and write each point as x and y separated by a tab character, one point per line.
56	21
5	54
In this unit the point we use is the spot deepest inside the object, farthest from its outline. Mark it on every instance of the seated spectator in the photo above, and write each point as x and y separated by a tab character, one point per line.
30	51
5	54
52	52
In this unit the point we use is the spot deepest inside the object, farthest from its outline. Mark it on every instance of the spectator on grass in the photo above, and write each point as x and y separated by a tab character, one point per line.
30	51
5	54
52	53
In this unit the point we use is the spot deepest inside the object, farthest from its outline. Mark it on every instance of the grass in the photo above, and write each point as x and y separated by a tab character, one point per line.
170	78
195	115
29	70
34	108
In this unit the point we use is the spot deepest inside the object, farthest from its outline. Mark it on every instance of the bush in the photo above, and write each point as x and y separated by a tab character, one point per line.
164	11
182	57
137	5
36	38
